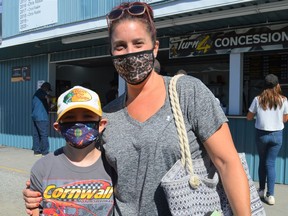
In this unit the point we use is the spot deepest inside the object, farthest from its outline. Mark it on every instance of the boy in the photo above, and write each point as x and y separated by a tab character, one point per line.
74	180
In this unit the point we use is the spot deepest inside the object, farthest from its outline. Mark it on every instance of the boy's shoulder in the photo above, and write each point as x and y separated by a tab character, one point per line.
47	159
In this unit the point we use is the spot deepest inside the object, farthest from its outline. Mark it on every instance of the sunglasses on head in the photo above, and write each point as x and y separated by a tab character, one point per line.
133	9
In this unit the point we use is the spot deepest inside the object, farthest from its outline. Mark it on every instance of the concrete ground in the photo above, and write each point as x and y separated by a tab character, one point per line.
15	165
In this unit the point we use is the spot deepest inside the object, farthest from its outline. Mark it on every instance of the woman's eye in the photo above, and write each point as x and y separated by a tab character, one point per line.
119	48
140	43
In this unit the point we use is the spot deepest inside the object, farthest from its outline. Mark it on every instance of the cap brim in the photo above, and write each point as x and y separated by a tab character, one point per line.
92	109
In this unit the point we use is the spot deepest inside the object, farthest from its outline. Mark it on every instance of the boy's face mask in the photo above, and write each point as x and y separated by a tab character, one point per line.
80	134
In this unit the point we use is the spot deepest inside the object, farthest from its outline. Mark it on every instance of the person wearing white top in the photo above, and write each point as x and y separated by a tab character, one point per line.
271	111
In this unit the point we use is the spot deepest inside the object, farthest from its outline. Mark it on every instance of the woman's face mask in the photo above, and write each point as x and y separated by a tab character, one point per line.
134	68
80	134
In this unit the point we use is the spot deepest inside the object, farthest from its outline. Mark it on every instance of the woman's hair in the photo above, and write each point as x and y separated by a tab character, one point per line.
146	18
271	98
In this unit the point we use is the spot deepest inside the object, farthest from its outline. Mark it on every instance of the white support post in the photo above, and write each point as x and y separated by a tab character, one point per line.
121	85
235	84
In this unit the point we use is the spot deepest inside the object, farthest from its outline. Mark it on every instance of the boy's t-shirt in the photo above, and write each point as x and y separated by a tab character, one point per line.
71	190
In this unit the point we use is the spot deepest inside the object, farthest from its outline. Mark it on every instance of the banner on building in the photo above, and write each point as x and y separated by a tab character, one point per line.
230	41
20	73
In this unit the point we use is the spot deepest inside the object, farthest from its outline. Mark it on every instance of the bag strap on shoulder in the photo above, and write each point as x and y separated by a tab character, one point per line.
181	130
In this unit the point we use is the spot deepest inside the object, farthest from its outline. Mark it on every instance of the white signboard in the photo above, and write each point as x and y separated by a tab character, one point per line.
39	83
37	13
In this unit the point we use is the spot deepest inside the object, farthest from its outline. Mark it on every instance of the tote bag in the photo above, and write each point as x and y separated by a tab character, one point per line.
194	187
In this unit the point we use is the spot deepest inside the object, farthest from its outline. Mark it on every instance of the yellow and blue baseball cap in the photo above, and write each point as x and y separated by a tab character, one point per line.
78	97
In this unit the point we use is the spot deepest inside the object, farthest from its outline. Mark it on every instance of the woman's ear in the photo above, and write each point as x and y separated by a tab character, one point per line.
102	124
156	48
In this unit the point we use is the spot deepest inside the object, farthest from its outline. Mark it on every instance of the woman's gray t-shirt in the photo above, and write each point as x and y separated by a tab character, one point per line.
142	152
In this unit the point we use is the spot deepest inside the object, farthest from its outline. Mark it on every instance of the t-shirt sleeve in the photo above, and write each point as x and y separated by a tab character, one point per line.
203	109
36	177
285	104
253	106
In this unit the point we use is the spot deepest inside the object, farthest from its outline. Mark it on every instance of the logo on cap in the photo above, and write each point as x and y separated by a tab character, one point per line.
77	95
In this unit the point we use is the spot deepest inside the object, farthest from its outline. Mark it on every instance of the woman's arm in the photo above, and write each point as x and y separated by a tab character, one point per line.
35	212
222	152
285	114
32	199
285	118
250	116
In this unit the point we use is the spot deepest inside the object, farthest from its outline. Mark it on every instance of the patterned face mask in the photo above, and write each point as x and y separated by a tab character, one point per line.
134	68
80	134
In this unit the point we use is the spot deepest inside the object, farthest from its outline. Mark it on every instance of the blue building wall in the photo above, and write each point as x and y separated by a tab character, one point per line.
243	133
69	11
15	102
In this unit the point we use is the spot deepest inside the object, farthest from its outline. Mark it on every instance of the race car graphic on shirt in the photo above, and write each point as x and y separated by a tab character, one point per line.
79	198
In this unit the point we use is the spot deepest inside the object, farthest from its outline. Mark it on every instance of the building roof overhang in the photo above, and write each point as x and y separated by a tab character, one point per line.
223	17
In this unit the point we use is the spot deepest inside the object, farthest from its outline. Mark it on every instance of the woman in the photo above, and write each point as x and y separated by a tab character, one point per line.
141	139
271	110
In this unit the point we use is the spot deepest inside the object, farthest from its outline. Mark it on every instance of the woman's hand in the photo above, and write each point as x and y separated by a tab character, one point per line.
32	198
250	116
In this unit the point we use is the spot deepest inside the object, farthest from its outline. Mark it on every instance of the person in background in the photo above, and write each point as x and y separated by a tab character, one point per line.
181	71
141	140
271	111
40	118
77	168
113	91
157	66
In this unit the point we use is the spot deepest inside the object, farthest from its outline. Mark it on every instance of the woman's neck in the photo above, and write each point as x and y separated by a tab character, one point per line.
144	103
145	89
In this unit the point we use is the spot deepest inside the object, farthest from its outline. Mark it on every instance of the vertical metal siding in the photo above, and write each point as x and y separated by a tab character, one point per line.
69	11
10	17
15	103
243	133
80	53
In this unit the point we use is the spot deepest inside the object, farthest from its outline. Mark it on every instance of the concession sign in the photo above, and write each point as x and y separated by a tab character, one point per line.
230	41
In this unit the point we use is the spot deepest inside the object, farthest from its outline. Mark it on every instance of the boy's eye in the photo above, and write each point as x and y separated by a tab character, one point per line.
91	124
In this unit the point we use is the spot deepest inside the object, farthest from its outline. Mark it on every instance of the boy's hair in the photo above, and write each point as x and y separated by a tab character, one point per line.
78	97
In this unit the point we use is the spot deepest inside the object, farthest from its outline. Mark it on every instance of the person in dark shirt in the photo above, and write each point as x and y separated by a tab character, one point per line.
113	92
40	118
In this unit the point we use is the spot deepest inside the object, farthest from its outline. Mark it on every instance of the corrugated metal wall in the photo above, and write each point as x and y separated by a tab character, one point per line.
243	133
93	51
69	11
80	53
15	101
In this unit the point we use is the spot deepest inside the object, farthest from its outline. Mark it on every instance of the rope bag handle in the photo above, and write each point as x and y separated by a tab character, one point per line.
186	159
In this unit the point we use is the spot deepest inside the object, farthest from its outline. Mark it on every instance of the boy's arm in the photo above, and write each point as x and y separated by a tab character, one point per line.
35	187
31	198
